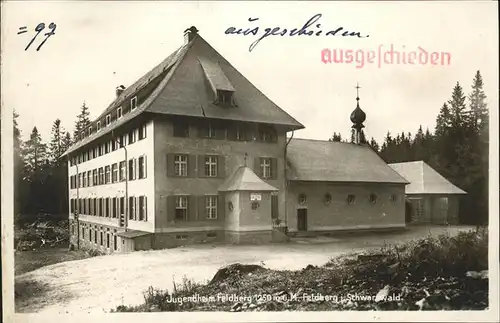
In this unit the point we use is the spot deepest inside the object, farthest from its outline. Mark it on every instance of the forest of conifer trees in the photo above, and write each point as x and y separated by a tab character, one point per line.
457	148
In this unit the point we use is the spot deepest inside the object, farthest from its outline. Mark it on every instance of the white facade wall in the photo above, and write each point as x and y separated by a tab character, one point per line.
137	187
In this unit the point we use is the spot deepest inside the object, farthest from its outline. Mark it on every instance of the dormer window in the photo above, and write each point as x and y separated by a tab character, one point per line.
108	120
133	103
98	125
90	131
119	113
224	98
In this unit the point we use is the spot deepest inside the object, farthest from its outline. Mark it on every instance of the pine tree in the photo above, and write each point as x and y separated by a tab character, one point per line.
458	112
66	141
477	101
35	156
56	142
443	121
82	121
373	143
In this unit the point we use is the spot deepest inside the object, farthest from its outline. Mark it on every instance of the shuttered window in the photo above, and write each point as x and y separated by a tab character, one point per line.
181	165
181	208
142	167
142	208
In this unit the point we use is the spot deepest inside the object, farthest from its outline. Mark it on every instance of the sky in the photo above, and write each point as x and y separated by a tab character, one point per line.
100	45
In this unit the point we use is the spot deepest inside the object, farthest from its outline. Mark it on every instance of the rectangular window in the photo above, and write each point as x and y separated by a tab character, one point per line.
101	150
104	209
142	208
115	241
131	208
90	235
108	174
265	167
122	206
211	166
181	165
102	237
114	170
113	145
267	134
131	136
133	103
142	132
96	152
119	113
84	180
89	178
181	208
107	147
108	120
98	125
142	167
84	157
211	207
131	169
181	129
123	140
95	236
107	240
209	131
240	133
90	131
95	179
109	211
83	233
115	208
123	170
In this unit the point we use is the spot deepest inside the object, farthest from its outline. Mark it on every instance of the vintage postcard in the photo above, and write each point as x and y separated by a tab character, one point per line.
249	161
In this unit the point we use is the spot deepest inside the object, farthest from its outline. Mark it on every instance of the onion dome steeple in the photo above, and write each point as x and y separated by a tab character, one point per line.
358	116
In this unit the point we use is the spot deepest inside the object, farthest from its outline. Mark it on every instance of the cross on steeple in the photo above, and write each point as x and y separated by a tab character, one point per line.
357	91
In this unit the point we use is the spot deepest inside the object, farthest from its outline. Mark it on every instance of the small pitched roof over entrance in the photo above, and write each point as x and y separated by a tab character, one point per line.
132	234
244	179
330	161
424	179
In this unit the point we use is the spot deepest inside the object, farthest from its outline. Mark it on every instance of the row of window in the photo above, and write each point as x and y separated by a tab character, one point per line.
183	207
302	198
93	235
112	207
106	121
183	165
110	146
110	174
235	132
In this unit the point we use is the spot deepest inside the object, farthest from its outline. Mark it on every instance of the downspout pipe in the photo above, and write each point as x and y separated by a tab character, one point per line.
286	181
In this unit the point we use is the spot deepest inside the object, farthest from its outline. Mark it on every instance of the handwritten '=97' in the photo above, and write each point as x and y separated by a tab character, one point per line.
38	30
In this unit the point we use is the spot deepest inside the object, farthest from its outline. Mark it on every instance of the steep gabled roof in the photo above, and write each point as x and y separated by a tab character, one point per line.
189	77
424	179
244	179
329	161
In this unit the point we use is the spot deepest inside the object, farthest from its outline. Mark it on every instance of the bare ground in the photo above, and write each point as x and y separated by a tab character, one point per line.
101	283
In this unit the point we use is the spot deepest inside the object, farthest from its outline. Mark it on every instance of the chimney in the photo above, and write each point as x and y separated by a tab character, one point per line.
190	34
119	90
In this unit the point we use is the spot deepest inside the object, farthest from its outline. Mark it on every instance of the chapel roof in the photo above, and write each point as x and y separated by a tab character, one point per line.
330	161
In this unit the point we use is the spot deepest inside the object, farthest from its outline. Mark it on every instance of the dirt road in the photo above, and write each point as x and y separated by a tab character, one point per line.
99	284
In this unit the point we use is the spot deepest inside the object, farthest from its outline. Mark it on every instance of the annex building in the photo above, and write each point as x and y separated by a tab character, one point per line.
193	152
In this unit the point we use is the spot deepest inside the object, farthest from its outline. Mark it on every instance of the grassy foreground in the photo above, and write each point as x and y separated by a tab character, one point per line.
434	273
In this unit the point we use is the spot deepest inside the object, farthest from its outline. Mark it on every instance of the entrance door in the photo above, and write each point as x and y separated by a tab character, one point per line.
302	219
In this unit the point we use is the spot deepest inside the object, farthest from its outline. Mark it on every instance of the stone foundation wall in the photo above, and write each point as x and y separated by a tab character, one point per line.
175	239
249	237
